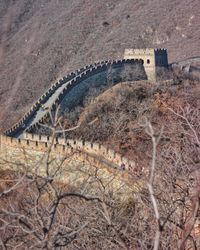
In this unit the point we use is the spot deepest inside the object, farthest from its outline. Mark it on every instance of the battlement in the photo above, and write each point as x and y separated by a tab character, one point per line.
34	142
65	85
75	164
160	50
129	52
145	51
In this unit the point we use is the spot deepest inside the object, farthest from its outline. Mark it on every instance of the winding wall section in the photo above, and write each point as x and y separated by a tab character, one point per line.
60	146
55	95
62	88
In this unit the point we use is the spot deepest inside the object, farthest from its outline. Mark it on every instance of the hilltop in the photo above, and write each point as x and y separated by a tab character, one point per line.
41	41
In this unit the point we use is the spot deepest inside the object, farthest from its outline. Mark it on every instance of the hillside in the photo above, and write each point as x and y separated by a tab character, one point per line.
41	41
93	210
116	117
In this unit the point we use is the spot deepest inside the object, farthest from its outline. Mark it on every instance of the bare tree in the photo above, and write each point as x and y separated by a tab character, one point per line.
157	210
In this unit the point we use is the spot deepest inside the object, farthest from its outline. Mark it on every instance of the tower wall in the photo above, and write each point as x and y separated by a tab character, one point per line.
152	59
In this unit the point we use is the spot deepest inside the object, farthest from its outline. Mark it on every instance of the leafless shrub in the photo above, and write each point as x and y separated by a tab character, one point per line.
49	213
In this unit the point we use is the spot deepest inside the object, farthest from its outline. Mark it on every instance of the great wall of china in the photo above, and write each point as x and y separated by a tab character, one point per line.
61	146
35	148
61	89
17	136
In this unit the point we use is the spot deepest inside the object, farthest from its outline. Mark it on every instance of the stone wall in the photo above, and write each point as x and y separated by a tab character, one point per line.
93	149
33	142
77	158
71	82
18	125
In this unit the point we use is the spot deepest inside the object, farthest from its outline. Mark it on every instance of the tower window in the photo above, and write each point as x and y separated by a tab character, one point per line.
148	61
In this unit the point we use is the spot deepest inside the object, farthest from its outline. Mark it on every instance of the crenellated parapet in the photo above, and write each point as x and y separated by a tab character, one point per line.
41	143
41	100
71	162
32	153
56	93
59	145
16	140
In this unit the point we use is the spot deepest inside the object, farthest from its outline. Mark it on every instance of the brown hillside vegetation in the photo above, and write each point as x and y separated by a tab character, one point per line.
67	197
42	40
41	213
116	117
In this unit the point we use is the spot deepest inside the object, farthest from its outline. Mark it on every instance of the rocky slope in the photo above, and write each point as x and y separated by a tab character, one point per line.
42	40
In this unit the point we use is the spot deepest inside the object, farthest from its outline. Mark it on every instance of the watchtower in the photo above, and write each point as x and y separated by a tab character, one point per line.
154	60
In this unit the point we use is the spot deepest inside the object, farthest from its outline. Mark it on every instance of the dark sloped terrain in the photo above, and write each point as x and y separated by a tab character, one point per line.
42	40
